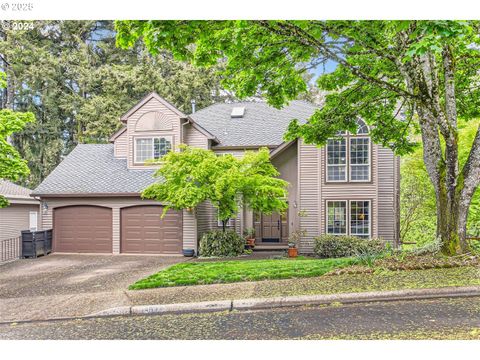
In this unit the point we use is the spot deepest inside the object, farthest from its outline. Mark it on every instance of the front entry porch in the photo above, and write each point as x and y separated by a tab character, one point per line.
271	231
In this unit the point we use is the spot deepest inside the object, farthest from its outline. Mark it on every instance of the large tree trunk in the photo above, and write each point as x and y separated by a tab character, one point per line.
452	204
438	123
448	224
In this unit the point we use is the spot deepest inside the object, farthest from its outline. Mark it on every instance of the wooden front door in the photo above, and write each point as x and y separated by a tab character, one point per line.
271	227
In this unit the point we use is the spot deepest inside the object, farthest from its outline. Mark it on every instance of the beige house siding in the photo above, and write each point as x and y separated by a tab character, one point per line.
204	217
382	191
168	116
190	230
287	164
387	202
121	146
350	190
116	203
207	219
309	194
15	218
194	138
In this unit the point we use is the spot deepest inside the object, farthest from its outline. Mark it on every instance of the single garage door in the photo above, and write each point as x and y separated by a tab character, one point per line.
82	229
143	231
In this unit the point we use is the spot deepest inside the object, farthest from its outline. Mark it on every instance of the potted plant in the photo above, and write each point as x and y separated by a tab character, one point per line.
249	234
293	240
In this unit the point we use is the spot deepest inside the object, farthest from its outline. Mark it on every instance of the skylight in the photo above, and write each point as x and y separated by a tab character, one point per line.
238	112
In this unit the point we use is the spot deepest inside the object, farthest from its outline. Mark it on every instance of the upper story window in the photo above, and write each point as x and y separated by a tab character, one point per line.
362	128
152	148
337	160
359	159
348	157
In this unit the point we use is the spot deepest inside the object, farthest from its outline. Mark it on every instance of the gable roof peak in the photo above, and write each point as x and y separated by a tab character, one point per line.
145	99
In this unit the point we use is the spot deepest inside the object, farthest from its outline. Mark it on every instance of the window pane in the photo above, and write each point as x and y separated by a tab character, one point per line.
359	159
336	152
360	218
360	172
362	128
143	150
336	159
161	147
337	173
337	217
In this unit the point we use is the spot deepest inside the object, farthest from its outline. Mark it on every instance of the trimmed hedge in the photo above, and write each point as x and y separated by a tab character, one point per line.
336	246
219	243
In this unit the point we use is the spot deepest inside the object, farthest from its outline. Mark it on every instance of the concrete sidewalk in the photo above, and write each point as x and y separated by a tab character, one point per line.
118	303
42	307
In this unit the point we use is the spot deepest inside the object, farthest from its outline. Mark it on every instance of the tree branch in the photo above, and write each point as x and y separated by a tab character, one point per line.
471	170
306	39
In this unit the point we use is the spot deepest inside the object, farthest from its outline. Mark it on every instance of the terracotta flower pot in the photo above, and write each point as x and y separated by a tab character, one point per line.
251	243
292	252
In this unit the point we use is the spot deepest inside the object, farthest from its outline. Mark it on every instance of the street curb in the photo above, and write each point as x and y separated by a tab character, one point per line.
271	303
291	301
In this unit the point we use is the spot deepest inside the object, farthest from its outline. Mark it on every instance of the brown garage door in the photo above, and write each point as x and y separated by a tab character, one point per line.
144	232
82	229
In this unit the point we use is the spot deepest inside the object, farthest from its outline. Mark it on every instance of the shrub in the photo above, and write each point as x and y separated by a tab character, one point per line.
335	246
219	243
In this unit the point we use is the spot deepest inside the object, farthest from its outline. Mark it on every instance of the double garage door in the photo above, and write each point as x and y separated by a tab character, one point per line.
89	229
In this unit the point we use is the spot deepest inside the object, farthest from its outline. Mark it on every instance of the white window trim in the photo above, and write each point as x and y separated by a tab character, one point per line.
347	216
331	165
369	235
348	172
135	138
348	227
369	159
35	214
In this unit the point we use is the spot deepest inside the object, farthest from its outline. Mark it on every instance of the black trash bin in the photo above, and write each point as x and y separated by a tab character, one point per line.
35	243
47	239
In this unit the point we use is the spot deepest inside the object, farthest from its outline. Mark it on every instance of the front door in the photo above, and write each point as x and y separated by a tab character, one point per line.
271	227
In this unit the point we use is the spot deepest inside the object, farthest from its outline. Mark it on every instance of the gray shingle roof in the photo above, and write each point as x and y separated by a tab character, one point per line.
93	169
260	125
11	190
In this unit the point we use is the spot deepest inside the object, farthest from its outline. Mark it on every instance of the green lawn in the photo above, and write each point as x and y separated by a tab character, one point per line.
216	272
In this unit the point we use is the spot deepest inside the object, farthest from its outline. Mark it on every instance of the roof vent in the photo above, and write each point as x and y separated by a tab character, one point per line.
238	112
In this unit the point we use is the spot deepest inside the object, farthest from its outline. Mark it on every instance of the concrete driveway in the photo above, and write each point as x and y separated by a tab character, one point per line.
61	285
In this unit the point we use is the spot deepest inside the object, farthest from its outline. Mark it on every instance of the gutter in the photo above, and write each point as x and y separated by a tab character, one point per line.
292	301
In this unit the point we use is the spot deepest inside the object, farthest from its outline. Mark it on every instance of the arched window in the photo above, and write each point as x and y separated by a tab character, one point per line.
362	128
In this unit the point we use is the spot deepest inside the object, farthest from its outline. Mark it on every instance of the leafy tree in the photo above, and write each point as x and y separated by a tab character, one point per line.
12	166
397	75
192	176
78	84
417	199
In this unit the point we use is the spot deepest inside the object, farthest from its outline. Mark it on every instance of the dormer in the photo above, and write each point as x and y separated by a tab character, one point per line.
152	128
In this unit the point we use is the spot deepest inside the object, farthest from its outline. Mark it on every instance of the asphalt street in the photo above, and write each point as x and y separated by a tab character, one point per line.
457	318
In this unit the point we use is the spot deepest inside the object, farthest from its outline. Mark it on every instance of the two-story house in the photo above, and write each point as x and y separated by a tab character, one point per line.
92	199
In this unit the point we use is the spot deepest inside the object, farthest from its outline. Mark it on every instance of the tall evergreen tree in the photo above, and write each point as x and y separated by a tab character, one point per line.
77	82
